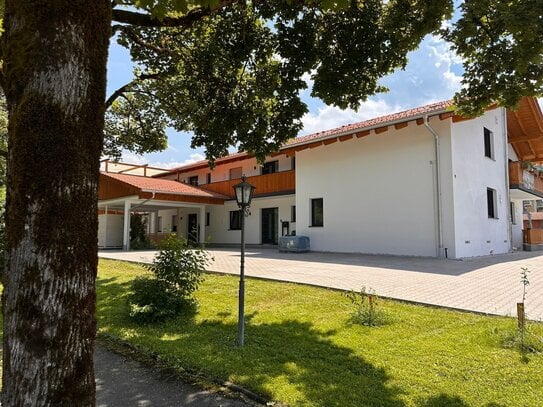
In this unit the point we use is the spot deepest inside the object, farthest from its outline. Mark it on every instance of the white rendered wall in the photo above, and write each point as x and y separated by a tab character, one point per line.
473	173
218	231
114	230
378	193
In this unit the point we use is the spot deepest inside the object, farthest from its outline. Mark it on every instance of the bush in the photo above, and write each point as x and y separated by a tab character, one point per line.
366	308
180	266
178	272
152	301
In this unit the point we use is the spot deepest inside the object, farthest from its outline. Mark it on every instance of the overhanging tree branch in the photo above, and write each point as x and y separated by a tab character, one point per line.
125	88
147	20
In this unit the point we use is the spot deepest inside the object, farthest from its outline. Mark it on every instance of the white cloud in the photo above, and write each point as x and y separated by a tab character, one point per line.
329	117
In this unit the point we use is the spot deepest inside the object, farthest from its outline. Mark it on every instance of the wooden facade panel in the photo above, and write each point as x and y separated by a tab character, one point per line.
532	236
109	188
278	182
522	178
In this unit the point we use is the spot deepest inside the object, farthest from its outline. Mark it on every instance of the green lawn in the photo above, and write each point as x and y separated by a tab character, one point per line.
301	349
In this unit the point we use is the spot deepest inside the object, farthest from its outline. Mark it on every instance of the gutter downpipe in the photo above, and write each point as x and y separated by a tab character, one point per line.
507	191
439	226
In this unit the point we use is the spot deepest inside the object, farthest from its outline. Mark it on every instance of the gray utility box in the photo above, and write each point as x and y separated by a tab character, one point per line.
294	244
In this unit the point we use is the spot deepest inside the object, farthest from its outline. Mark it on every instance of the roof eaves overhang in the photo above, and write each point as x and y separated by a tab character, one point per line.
355	130
180	197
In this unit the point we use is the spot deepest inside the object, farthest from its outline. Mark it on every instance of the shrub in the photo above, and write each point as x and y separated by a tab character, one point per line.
366	308
138	235
178	272
180	266
152	301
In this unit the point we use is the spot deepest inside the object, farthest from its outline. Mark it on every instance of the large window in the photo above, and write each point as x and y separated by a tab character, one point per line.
194	180
270	167
489	143
491	203
235	220
317	215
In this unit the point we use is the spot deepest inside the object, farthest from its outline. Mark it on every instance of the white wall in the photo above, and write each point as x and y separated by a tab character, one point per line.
378	193
473	173
114	230
218	232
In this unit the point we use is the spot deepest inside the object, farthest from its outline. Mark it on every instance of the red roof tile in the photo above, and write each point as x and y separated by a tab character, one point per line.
148	184
375	122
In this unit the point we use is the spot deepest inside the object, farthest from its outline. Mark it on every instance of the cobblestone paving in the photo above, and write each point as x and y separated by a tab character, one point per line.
486	284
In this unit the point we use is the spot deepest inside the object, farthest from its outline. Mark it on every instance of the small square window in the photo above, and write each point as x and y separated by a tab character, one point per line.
194	180
491	203
235	220
317	215
489	143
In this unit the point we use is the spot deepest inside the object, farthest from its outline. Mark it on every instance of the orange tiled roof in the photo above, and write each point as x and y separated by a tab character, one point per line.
375	122
148	184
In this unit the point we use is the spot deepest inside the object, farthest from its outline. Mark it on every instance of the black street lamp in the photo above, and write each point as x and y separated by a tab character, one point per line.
244	194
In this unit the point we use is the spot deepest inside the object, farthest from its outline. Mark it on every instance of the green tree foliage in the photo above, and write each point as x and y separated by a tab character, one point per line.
501	43
234	77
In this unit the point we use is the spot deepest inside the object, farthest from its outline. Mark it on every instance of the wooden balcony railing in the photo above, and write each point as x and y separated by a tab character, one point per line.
524	179
532	236
283	182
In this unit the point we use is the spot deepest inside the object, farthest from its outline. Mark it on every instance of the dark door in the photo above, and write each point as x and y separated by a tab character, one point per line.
269	225
192	228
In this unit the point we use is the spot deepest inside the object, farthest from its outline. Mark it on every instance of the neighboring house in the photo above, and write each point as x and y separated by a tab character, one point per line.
423	182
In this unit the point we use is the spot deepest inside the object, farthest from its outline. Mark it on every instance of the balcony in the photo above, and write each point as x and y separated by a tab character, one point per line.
278	183
527	184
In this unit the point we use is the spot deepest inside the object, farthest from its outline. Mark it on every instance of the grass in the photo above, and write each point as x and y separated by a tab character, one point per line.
301	349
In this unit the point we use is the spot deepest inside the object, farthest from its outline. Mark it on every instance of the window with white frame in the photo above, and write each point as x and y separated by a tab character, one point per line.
317	212
491	203
235	220
489	143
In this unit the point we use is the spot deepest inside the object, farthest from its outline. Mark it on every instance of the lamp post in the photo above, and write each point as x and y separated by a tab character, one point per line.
244	194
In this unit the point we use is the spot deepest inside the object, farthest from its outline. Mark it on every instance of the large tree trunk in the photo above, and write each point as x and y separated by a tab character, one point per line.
55	54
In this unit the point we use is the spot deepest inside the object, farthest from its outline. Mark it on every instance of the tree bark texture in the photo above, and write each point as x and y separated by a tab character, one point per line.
55	54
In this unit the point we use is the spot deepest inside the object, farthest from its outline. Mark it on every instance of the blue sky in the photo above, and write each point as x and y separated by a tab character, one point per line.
432	74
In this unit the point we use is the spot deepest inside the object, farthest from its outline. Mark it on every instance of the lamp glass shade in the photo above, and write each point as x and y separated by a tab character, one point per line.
244	192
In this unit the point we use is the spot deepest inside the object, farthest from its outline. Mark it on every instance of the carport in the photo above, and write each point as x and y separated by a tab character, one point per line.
123	194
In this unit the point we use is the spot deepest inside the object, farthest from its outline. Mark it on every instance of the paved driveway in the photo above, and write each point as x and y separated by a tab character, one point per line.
486	284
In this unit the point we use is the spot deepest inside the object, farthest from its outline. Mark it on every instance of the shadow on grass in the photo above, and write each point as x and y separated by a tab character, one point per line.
293	356
289	360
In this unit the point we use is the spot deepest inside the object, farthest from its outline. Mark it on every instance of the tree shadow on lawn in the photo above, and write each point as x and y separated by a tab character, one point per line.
444	400
317	371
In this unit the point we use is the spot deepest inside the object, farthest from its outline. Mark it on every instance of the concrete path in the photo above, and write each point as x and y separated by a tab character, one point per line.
485	284
122	382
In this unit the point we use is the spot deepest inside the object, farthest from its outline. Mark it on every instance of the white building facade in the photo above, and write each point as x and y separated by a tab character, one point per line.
424	182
